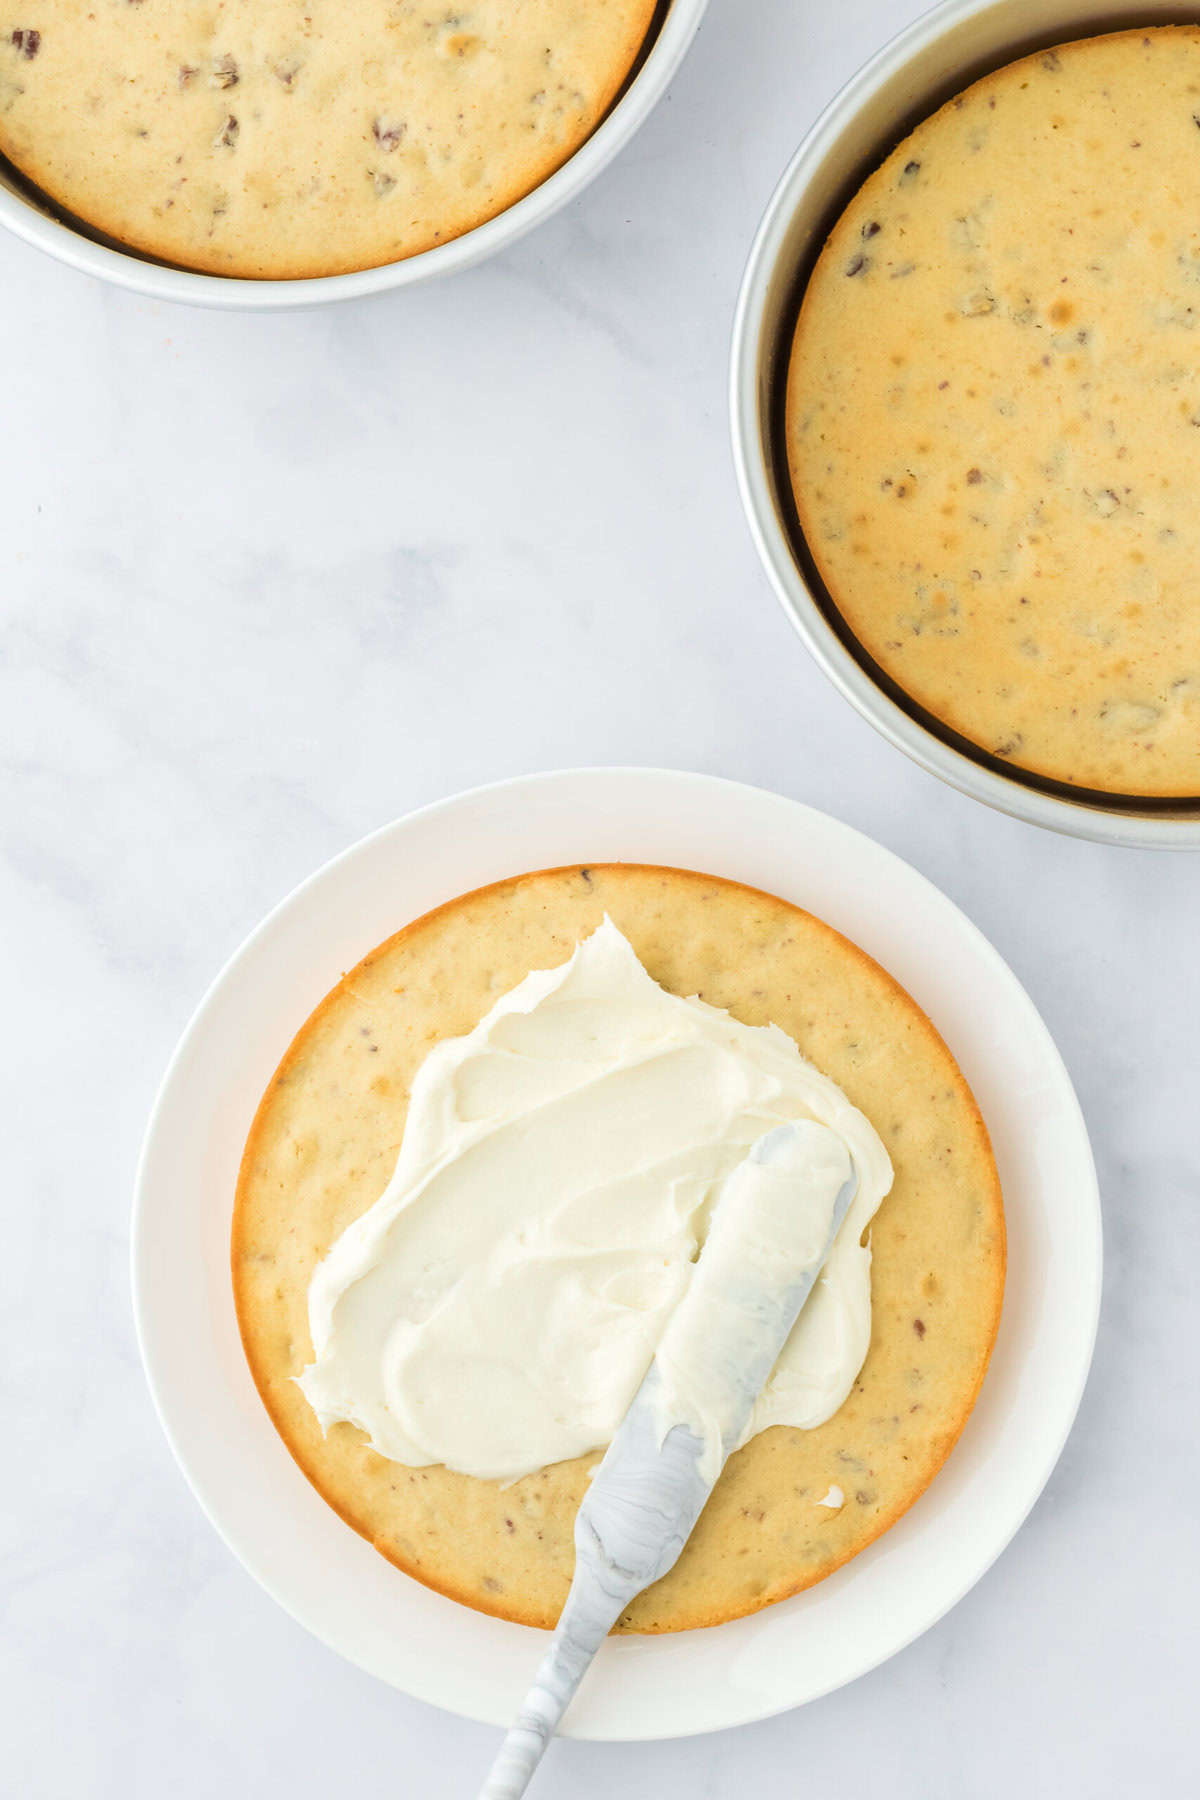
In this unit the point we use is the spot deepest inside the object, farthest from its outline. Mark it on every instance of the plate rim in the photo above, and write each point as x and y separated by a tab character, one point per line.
1090	1268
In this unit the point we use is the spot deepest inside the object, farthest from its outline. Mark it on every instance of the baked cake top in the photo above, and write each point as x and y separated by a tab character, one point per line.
993	413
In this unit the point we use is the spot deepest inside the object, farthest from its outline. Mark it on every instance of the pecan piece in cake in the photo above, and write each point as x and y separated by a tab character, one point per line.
388	133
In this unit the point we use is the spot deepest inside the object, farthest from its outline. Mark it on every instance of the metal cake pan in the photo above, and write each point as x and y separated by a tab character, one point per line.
31	216
935	58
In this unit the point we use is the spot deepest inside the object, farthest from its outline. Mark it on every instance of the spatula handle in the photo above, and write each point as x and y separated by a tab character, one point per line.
586	1620
636	1516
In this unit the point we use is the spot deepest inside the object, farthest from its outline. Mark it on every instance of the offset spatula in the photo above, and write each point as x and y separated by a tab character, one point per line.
772	1230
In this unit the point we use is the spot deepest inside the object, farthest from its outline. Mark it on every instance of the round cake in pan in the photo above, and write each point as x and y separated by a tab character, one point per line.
993	414
792	1505
288	138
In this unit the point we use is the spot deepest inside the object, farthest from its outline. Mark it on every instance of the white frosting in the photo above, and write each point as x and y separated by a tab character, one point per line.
833	1499
498	1306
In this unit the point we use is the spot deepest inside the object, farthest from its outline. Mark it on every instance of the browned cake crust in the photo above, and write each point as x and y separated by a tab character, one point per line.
327	1134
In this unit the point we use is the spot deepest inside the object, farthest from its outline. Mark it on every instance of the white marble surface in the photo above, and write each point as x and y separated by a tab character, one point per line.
270	582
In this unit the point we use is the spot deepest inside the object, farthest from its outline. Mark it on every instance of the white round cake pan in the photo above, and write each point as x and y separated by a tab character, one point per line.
40	224
335	1583
936	57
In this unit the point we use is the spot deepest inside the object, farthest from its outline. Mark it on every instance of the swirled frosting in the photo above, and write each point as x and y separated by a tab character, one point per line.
497	1307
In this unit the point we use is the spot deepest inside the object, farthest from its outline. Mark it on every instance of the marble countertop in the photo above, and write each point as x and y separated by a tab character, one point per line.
270	582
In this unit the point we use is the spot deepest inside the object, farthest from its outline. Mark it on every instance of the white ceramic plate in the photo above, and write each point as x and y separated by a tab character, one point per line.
329	1578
